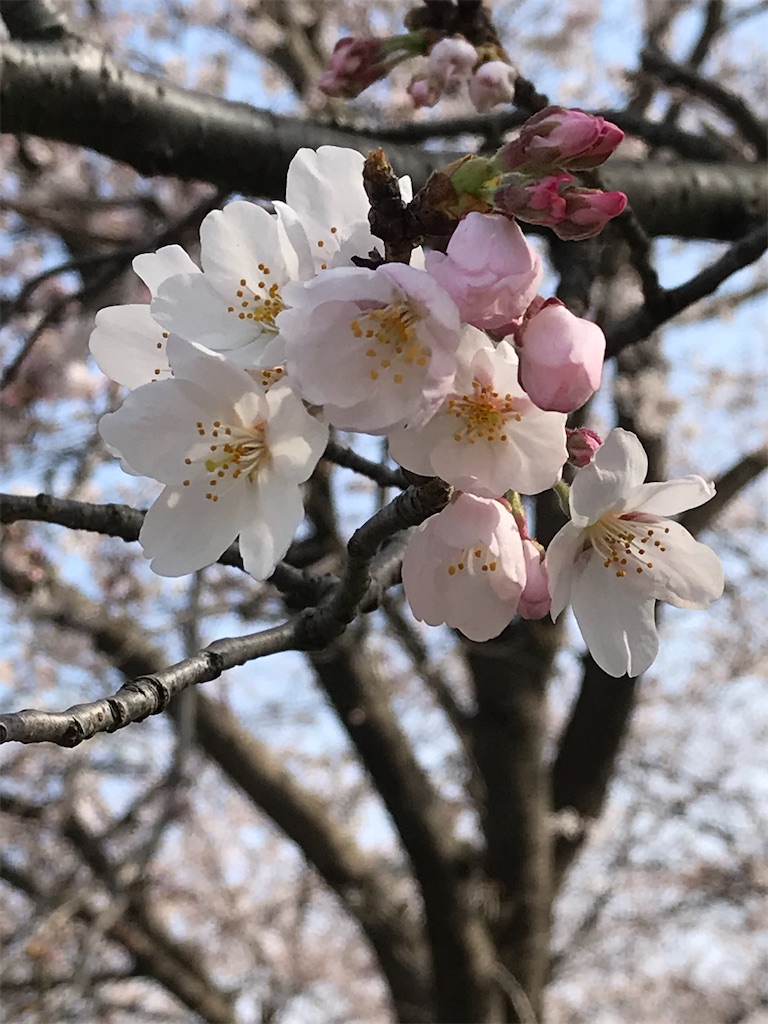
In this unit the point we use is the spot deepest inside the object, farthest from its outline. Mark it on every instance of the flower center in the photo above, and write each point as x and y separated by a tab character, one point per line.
235	452
392	340
485	414
625	544
470	559
261	303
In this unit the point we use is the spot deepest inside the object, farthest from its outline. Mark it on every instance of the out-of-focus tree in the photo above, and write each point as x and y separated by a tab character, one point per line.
386	823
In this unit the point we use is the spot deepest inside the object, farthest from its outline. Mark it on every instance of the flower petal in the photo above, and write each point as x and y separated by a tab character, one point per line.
189	305
616	621
562	553
274	514
155	429
129	345
239	242
184	531
670	497
155	267
618	466
687	574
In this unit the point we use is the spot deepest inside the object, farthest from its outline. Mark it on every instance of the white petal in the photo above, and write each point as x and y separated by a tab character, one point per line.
129	346
184	531
223	381
238	243
687	574
618	467
471	605
189	305
327	186
616	621
296	439
155	267
295	238
155	429
563	551
670	497
273	518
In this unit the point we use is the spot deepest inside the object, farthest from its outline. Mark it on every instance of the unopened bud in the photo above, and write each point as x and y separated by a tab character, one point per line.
582	444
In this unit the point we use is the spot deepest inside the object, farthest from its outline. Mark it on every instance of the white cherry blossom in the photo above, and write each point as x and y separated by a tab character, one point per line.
620	554
127	343
465	566
487	437
247	260
376	348
231	454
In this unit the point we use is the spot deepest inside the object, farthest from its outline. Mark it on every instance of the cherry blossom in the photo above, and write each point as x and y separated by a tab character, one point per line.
325	213
451	61
492	83
376	348
127	343
561	356
489	270
247	260
560	139
231	453
465	567
357	63
487	437
582	443
619	555
572	212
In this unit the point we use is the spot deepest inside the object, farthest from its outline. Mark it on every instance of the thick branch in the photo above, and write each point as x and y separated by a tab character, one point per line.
509	731
461	948
76	94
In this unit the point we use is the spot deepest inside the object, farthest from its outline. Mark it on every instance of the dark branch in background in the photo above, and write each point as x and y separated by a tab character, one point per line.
252	768
34	20
79	95
114	264
733	107
593	736
668	303
460	944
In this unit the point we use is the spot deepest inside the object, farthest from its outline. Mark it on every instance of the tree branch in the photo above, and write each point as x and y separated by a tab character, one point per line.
77	94
669	302
752	129
34	20
251	767
459	941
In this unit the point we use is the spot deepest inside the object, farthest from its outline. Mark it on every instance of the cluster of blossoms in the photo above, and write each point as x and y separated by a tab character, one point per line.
452	64
239	367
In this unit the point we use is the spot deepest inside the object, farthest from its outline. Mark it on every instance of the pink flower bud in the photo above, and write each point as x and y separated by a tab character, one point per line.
451	60
582	444
535	202
492	83
425	92
561	357
587	211
557	139
534	600
490	271
355	64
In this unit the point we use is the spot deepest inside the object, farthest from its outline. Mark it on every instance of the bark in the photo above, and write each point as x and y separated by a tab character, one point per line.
75	93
